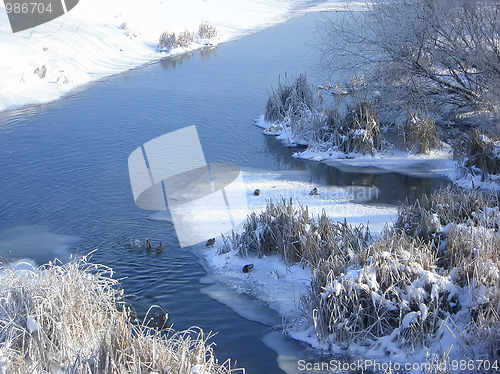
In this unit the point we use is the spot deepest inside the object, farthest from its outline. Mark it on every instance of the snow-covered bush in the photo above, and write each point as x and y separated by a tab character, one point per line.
472	258
184	38
394	295
73	318
437	269
358	131
290	101
41	72
170	40
479	153
289	230
294	110
167	41
207	31
418	133
427	216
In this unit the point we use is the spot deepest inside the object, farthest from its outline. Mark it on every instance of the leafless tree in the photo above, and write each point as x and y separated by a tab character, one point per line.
440	51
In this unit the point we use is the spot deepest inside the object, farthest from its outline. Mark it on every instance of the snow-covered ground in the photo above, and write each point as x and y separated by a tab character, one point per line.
97	39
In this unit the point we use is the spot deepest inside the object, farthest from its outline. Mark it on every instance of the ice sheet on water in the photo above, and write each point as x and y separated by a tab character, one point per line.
242	304
35	242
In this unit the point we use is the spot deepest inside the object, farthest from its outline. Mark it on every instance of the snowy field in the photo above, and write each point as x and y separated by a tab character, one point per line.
98	39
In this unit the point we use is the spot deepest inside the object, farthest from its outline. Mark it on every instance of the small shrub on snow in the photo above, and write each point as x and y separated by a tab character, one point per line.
419	133
167	41
41	72
207	31
170	40
184	39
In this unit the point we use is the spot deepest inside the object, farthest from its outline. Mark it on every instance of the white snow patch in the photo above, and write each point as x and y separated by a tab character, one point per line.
31	325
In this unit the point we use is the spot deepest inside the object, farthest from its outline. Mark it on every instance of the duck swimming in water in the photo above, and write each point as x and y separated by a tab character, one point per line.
148	245
256	192
159	249
210	242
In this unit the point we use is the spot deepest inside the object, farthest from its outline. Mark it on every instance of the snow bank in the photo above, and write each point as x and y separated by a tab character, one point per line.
436	162
97	39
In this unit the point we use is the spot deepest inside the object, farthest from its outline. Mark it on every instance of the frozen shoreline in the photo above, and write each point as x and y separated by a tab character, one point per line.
96	40
429	287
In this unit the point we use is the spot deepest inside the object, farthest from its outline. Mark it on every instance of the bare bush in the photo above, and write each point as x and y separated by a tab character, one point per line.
419	133
73	318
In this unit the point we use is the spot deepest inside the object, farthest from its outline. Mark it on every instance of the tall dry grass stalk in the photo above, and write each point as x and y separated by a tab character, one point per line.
356	131
427	215
72	318
359	305
290	100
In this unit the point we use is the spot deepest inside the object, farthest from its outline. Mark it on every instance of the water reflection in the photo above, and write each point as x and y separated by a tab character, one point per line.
172	62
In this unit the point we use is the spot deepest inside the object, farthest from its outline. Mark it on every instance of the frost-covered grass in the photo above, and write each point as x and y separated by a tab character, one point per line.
73	318
349	126
392	294
479	154
290	100
427	217
290	231
358	131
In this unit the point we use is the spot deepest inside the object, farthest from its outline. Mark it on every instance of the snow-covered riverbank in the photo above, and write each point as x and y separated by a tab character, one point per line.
399	299
97	39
